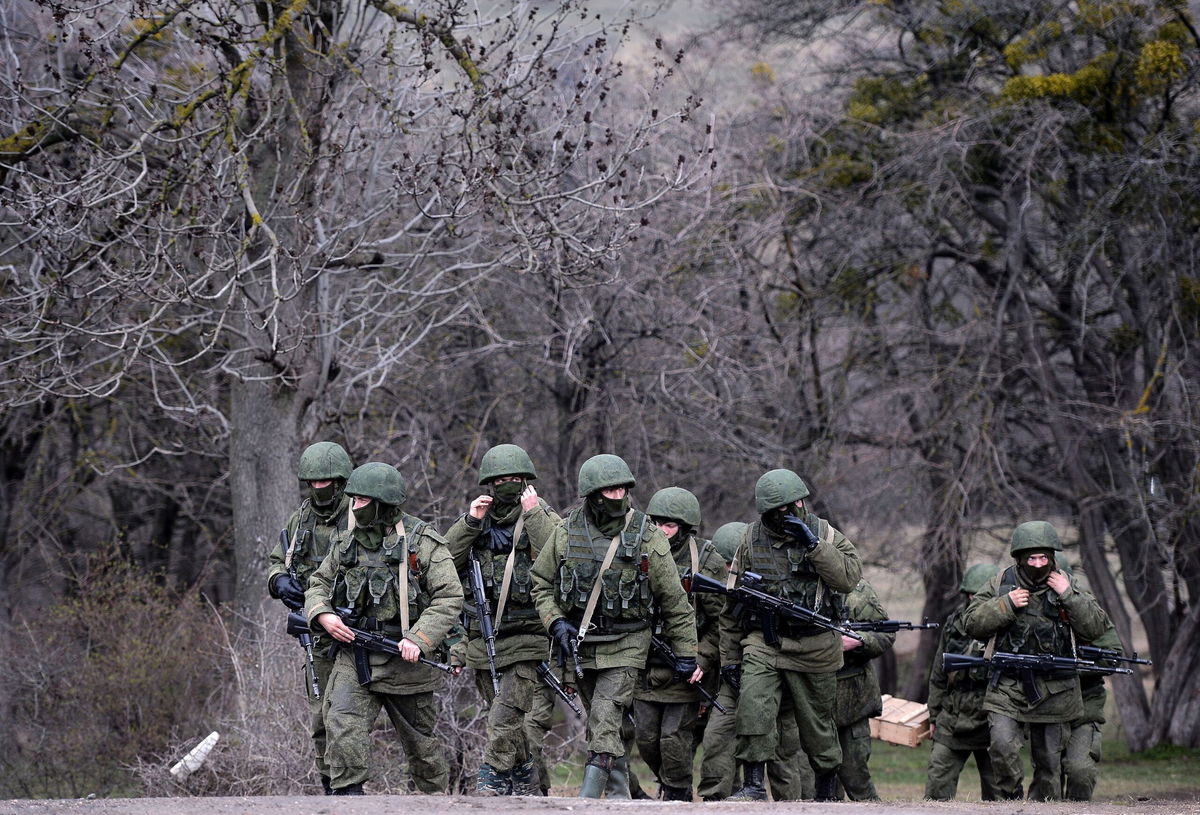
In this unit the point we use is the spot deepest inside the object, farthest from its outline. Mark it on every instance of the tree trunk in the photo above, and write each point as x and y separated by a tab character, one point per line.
262	456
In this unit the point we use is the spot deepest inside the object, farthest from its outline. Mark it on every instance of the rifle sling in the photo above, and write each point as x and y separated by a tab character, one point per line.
594	597
403	579
506	582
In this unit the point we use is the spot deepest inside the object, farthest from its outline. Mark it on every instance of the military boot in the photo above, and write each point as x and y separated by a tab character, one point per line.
492	781
670	793
349	789
754	785
524	781
595	774
825	787
618	779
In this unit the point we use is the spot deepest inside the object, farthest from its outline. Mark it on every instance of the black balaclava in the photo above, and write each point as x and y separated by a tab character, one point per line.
1036	576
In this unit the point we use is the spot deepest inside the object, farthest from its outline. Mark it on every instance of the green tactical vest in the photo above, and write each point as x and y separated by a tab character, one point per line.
519	606
626	603
1040	628
313	536
368	580
958	641
787	573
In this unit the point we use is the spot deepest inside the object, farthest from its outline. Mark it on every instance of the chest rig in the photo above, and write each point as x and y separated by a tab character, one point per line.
314	534
491	550
788	573
368	579
1042	627
626	603
958	641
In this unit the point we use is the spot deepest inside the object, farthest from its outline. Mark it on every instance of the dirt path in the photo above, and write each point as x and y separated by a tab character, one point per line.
422	804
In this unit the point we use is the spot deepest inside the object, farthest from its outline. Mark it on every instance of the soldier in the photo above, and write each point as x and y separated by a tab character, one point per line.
503	532
396	576
665	712
607	572
858	697
790	775
1032	608
960	724
1082	755
804	559
324	468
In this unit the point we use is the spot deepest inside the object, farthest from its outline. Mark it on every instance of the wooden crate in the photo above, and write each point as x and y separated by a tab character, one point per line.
902	722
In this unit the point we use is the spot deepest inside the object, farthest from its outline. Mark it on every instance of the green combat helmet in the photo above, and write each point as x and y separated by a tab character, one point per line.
379	481
324	461
1034	535
726	539
676	504
603	471
777	488
505	459
977	577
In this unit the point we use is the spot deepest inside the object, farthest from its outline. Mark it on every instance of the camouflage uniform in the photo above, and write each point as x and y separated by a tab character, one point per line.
956	706
363	572
1050	624
804	664
790	776
1083	742
520	715
309	531
642	581
858	697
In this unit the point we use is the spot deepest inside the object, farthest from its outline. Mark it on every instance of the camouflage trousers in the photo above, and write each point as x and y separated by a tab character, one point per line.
316	707
518	718
854	774
351	710
607	694
764	688
1046	744
789	775
666	738
945	766
1080	769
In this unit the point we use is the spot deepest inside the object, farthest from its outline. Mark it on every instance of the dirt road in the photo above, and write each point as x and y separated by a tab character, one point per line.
422	804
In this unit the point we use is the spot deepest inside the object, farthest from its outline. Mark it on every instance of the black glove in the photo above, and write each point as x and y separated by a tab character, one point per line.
565	635
799	531
731	675
684	668
289	590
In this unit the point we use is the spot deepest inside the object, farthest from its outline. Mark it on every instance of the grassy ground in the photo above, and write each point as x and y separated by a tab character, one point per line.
899	773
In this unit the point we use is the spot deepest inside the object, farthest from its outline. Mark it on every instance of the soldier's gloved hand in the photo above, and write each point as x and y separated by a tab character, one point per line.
731	675
565	635
683	670
289	590
799	531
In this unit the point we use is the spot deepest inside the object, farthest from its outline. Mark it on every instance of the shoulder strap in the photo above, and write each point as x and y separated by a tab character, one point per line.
594	597
403	581
506	581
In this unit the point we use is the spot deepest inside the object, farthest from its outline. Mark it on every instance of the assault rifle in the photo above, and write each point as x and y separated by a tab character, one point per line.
1094	653
770	607
663	651
1025	666
484	613
888	626
305	638
364	641
562	691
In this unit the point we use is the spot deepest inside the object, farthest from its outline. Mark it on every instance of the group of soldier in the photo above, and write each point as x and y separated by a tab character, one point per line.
602	606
